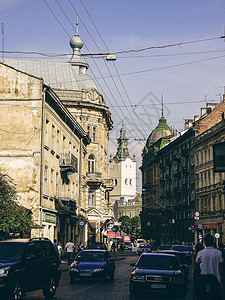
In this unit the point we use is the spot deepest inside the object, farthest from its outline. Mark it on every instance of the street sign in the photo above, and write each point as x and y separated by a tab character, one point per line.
110	226
81	222
115	228
217	235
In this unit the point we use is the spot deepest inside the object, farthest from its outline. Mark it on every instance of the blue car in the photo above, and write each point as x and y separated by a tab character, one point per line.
158	273
92	263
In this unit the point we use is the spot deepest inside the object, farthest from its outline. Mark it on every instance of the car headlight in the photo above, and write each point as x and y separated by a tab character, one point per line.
179	278
98	270
4	272
138	277
74	270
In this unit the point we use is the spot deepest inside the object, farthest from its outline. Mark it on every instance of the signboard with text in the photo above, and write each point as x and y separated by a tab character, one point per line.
126	238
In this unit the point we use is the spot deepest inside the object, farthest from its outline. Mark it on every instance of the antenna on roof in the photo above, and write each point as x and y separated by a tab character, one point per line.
3	42
77	25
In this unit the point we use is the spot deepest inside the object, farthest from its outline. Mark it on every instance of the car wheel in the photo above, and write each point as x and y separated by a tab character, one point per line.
111	277
133	291
49	289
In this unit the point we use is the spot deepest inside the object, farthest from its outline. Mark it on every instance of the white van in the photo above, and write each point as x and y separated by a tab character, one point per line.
140	242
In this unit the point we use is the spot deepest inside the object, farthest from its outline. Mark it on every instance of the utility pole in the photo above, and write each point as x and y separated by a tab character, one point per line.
3	42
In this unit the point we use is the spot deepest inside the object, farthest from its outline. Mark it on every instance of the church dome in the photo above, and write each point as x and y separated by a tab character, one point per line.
161	130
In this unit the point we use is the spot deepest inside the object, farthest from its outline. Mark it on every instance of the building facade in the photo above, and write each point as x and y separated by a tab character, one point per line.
80	101
41	149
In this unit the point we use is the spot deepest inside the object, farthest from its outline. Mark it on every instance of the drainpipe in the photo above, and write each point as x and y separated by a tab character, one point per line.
42	155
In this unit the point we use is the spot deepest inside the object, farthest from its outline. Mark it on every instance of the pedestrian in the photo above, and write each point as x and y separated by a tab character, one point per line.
55	245
113	247
59	251
70	248
195	270
209	261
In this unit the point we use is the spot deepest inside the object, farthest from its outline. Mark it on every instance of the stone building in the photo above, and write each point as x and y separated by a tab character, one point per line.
78	96
209	201
182	197
41	149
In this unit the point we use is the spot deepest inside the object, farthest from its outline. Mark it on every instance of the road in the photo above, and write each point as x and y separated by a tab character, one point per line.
102	290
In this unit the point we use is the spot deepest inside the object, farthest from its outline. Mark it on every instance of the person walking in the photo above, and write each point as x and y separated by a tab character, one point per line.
70	248
210	263
55	245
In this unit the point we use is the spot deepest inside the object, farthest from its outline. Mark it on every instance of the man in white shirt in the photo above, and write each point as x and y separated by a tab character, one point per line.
210	260
70	248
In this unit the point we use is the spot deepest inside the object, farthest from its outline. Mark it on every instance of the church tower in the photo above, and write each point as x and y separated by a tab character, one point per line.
122	169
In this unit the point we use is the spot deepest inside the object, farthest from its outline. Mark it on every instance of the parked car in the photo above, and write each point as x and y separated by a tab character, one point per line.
140	242
164	247
182	259
187	250
128	246
26	266
145	248
158	273
92	263
97	246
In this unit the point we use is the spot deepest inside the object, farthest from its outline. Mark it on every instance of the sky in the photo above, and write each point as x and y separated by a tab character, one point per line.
188	72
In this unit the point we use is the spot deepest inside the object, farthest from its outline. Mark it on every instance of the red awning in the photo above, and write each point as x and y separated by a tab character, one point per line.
112	234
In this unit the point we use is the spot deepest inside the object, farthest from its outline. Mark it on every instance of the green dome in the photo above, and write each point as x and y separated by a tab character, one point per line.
161	130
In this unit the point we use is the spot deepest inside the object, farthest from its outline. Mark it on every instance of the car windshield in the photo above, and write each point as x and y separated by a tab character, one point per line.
159	262
11	251
165	247
145	246
182	248
91	256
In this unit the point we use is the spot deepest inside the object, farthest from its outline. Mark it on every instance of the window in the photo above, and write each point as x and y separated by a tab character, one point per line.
45	180
63	145
52	172
115	182
94	134
89	130
57	142
130	181
126	181
53	133
91	163
56	184
197	160
91	198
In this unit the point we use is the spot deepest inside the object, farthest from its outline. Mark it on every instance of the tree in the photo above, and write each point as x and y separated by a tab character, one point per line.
130	225
13	217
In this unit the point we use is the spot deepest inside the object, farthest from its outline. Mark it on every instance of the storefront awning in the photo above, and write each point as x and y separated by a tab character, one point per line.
112	234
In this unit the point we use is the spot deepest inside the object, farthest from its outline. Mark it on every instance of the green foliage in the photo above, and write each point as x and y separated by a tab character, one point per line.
129	225
13	218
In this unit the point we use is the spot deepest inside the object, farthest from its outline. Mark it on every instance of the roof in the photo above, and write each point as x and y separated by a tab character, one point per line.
57	74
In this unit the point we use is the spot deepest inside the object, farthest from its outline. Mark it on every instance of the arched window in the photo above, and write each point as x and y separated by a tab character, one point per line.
126	181
115	182
91	163
130	181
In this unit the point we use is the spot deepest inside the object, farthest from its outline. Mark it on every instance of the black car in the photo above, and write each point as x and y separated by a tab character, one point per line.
92	263
164	247
26	266
157	272
144	249
97	246
182	259
187	250
128	246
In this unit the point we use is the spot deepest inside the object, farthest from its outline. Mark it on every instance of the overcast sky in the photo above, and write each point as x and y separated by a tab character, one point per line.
187	74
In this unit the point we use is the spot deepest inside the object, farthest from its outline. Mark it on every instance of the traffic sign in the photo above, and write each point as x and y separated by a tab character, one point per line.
217	235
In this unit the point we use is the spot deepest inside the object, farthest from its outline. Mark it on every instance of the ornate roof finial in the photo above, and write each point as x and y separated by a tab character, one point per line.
77	25
162	104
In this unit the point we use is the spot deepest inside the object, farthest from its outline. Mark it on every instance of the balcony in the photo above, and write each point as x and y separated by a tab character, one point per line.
66	204
108	183
68	163
94	179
